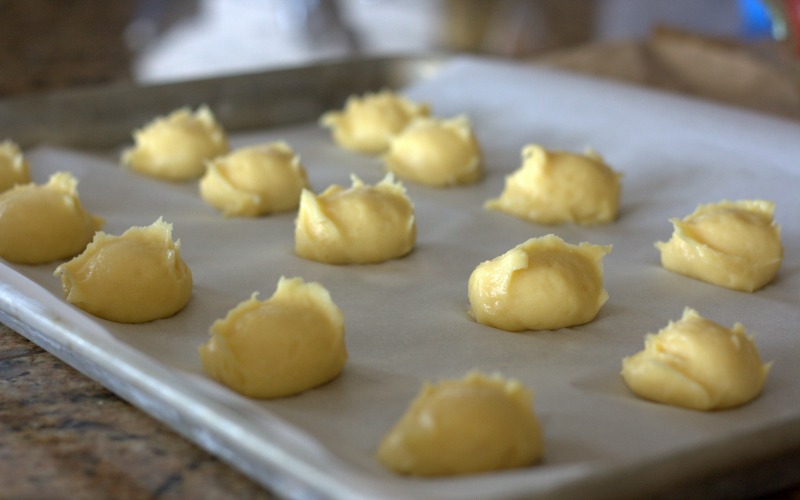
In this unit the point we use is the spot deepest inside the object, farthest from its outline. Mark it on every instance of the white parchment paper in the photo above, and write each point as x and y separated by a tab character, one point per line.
406	320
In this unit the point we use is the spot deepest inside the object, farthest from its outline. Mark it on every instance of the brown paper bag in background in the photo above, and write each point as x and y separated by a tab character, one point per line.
763	77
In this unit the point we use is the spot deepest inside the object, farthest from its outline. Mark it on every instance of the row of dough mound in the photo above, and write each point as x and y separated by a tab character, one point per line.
360	225
254	349
413	144
551	187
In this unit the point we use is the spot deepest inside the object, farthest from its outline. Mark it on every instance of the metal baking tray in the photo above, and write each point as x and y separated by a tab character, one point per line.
600	440
104	116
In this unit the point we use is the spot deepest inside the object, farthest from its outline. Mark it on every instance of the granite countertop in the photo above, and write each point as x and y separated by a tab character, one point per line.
64	436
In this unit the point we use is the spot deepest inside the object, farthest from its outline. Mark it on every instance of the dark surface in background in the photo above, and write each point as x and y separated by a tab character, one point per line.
47	44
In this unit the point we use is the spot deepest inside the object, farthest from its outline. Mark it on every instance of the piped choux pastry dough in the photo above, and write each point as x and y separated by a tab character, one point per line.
556	187
40	223
136	277
697	363
367	123
14	168
176	147
541	284
254	181
436	153
363	224
477	424
285	345
736	245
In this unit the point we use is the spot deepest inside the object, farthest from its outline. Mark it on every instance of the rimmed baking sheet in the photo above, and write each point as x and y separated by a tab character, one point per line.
406	320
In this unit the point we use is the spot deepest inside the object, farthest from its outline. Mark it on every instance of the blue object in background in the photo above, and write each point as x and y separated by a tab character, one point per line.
755	19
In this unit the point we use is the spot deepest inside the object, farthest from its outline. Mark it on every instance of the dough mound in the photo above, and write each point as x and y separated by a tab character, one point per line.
287	344
360	225
368	123
254	181
436	153
43	223
14	169
478	424
541	284
555	187
133	278
696	363
177	146
736	245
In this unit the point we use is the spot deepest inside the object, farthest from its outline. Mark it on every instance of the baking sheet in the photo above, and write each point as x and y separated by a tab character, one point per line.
406	320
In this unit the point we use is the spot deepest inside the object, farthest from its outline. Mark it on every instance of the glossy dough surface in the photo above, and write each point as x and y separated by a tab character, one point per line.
541	284
14	169
133	278
554	187
436	153
360	225
697	363
254	181
476	424
366	124
41	223
176	147
732	244
285	345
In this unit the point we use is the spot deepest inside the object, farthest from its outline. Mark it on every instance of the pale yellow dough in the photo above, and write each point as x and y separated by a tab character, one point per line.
133	278
697	363
731	244
254	181
368	123
436	153
14	169
478	424
360	225
287	344
543	283
41	223
554	187
176	147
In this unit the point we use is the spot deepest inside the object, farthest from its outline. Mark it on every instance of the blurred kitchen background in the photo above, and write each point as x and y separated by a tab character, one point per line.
48	44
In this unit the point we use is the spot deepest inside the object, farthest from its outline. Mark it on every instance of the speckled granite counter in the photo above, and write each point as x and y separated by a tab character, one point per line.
64	436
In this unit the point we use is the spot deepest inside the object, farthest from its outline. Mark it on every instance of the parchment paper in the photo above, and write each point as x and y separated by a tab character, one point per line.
406	319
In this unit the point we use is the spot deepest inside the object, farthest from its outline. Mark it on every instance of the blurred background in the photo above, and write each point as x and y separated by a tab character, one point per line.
49	44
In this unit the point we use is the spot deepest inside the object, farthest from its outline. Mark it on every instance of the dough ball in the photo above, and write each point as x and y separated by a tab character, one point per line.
436	153
368	123
177	146
254	181
133	278
736	245
14	169
541	284
360	225
285	345
697	363
554	187
43	223
478	424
